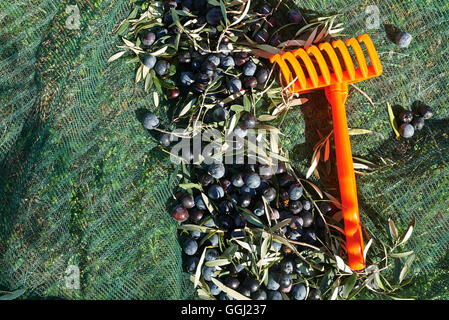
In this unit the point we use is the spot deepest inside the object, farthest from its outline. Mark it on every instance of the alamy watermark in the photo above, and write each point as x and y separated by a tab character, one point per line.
73	21
241	146
72	277
372	20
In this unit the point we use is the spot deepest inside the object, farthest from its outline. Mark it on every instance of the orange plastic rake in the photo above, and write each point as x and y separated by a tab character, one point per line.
335	83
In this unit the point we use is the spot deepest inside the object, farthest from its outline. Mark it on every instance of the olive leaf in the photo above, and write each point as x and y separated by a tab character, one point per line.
314	164
406	267
218	262
199	267
393	232
195	227
349	285
234	294
401	254
365	251
251	217
116	56
356	131
393	121
409	232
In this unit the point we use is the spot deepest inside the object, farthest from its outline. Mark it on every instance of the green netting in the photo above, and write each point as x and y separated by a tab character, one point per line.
81	182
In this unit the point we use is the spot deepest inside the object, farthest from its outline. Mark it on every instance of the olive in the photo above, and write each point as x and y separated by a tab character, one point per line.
188	202
165	139
234	85
307	218
190	247
237	180
418	123
150	121
214	16
269	194
250	82
259	209
406	130
250	121
251	284
425	111
206	179
149	61
211	255
214	289
227	62
276	40
173	93
162	67
232	282
245	200
262	75
265	9
192	264
295	206
262	37
406	116
239	221
299	291
274	215
225	206
294	16
225	222
148	39
216	192
252	180
217	170
180	213
249	69
259	295
273	281
187	78
196	215
403	39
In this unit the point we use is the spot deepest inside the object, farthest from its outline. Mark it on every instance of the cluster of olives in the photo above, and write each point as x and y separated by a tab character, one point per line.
412	121
264	31
232	188
198	67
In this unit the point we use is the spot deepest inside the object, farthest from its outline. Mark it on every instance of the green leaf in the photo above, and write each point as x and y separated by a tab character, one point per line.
401	254
13	295
355	131
393	122
251	217
236	295
207	202
349	285
266	117
190	186
195	227
237	108
409	232
116	56
218	262
406	268
246	103
223	12
199	267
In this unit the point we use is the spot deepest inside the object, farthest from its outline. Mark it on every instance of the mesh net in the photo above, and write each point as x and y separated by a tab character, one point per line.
81	182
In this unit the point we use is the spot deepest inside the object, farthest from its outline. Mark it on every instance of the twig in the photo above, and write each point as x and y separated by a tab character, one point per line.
364	94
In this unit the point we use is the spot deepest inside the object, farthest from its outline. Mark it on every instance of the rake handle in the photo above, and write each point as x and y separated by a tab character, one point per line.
336	95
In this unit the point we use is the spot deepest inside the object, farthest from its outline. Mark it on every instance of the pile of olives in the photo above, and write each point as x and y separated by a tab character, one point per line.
231	189
197	67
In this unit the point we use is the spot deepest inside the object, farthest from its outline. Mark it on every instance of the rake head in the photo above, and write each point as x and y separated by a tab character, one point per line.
329	76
